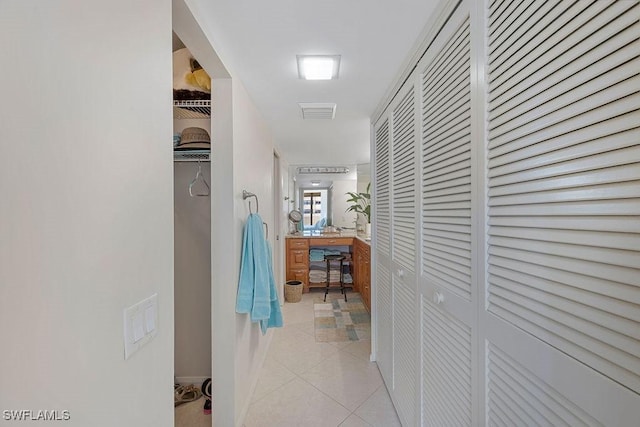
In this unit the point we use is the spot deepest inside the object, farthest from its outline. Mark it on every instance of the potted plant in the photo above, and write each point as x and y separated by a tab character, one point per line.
361	204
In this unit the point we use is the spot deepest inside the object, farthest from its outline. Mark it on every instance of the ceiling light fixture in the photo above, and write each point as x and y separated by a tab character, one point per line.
321	169
315	183
318	67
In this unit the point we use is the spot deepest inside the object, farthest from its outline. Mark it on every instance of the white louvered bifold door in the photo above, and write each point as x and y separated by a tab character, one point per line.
382	266
563	292
403	254
447	312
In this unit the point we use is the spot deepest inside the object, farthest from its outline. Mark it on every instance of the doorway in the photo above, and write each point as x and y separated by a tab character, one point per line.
278	255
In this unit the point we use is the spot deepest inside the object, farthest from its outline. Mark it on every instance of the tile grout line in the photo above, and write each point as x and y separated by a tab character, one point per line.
355	357
272	391
331	398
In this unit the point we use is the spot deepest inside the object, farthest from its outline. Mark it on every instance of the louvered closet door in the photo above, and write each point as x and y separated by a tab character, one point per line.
382	220
563	312
448	330
403	253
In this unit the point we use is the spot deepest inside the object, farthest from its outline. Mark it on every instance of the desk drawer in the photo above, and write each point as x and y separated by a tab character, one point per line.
333	241
298	243
298	258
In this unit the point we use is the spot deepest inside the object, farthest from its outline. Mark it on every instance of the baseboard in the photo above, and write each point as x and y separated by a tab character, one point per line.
254	382
190	380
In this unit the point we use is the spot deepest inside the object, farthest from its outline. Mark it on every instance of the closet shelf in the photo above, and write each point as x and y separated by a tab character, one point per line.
192	109
192	156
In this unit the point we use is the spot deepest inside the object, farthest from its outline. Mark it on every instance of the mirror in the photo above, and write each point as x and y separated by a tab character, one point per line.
363	176
331	202
315	207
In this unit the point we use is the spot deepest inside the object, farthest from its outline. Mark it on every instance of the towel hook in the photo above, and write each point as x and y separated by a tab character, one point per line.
204	181
246	195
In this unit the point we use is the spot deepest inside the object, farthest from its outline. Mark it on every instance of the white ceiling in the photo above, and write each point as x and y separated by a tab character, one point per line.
258	41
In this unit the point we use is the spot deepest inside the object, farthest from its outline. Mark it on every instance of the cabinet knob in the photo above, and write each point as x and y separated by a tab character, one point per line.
438	298
400	273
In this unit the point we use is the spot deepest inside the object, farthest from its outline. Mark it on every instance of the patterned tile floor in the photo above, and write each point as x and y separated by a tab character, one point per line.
339	320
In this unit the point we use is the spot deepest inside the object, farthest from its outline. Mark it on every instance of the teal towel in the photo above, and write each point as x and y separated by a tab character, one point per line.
244	299
257	294
253	290
275	315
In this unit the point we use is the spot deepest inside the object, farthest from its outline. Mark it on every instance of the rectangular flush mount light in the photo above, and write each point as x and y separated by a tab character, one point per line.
318	67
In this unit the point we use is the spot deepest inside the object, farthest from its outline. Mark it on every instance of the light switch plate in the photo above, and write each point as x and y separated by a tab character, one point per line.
140	324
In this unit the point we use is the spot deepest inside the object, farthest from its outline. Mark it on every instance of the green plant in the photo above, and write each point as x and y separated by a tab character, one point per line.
361	203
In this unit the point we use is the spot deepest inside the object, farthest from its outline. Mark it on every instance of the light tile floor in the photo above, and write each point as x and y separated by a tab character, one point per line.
306	383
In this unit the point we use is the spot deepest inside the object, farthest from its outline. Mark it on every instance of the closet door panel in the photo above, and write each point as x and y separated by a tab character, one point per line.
381	207
385	306
518	397
563	167
405	347
382	240
447	332
447	367
403	194
403	255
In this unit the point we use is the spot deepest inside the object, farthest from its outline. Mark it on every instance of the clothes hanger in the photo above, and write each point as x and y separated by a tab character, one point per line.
204	181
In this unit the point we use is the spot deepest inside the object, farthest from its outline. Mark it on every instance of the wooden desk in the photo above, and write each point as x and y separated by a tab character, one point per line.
362	271
298	261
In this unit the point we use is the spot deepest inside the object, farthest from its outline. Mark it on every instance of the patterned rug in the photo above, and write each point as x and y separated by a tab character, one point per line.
337	320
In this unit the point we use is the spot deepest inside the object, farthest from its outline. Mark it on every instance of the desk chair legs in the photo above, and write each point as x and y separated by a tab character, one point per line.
328	259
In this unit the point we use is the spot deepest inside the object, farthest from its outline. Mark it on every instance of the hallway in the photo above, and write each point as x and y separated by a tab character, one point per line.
304	382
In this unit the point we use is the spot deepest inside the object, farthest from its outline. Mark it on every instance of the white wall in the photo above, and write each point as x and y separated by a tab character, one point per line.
253	169
339	205
242	160
86	224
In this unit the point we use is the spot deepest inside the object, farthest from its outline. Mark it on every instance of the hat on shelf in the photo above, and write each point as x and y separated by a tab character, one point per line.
194	138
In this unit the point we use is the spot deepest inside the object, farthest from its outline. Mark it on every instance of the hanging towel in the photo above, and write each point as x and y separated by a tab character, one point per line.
257	293
275	315
244	299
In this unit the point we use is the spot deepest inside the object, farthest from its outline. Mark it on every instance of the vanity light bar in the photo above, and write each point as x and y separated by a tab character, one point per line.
322	169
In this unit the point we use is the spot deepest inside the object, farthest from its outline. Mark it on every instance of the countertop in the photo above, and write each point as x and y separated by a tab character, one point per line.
310	234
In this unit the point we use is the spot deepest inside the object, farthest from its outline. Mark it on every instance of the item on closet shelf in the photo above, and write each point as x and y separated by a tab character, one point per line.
206	391
190	80
194	138
185	393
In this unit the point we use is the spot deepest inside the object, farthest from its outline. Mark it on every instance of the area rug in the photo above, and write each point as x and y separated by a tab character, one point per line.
337	320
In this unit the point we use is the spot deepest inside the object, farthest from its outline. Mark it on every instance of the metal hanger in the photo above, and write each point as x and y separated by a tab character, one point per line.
200	176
